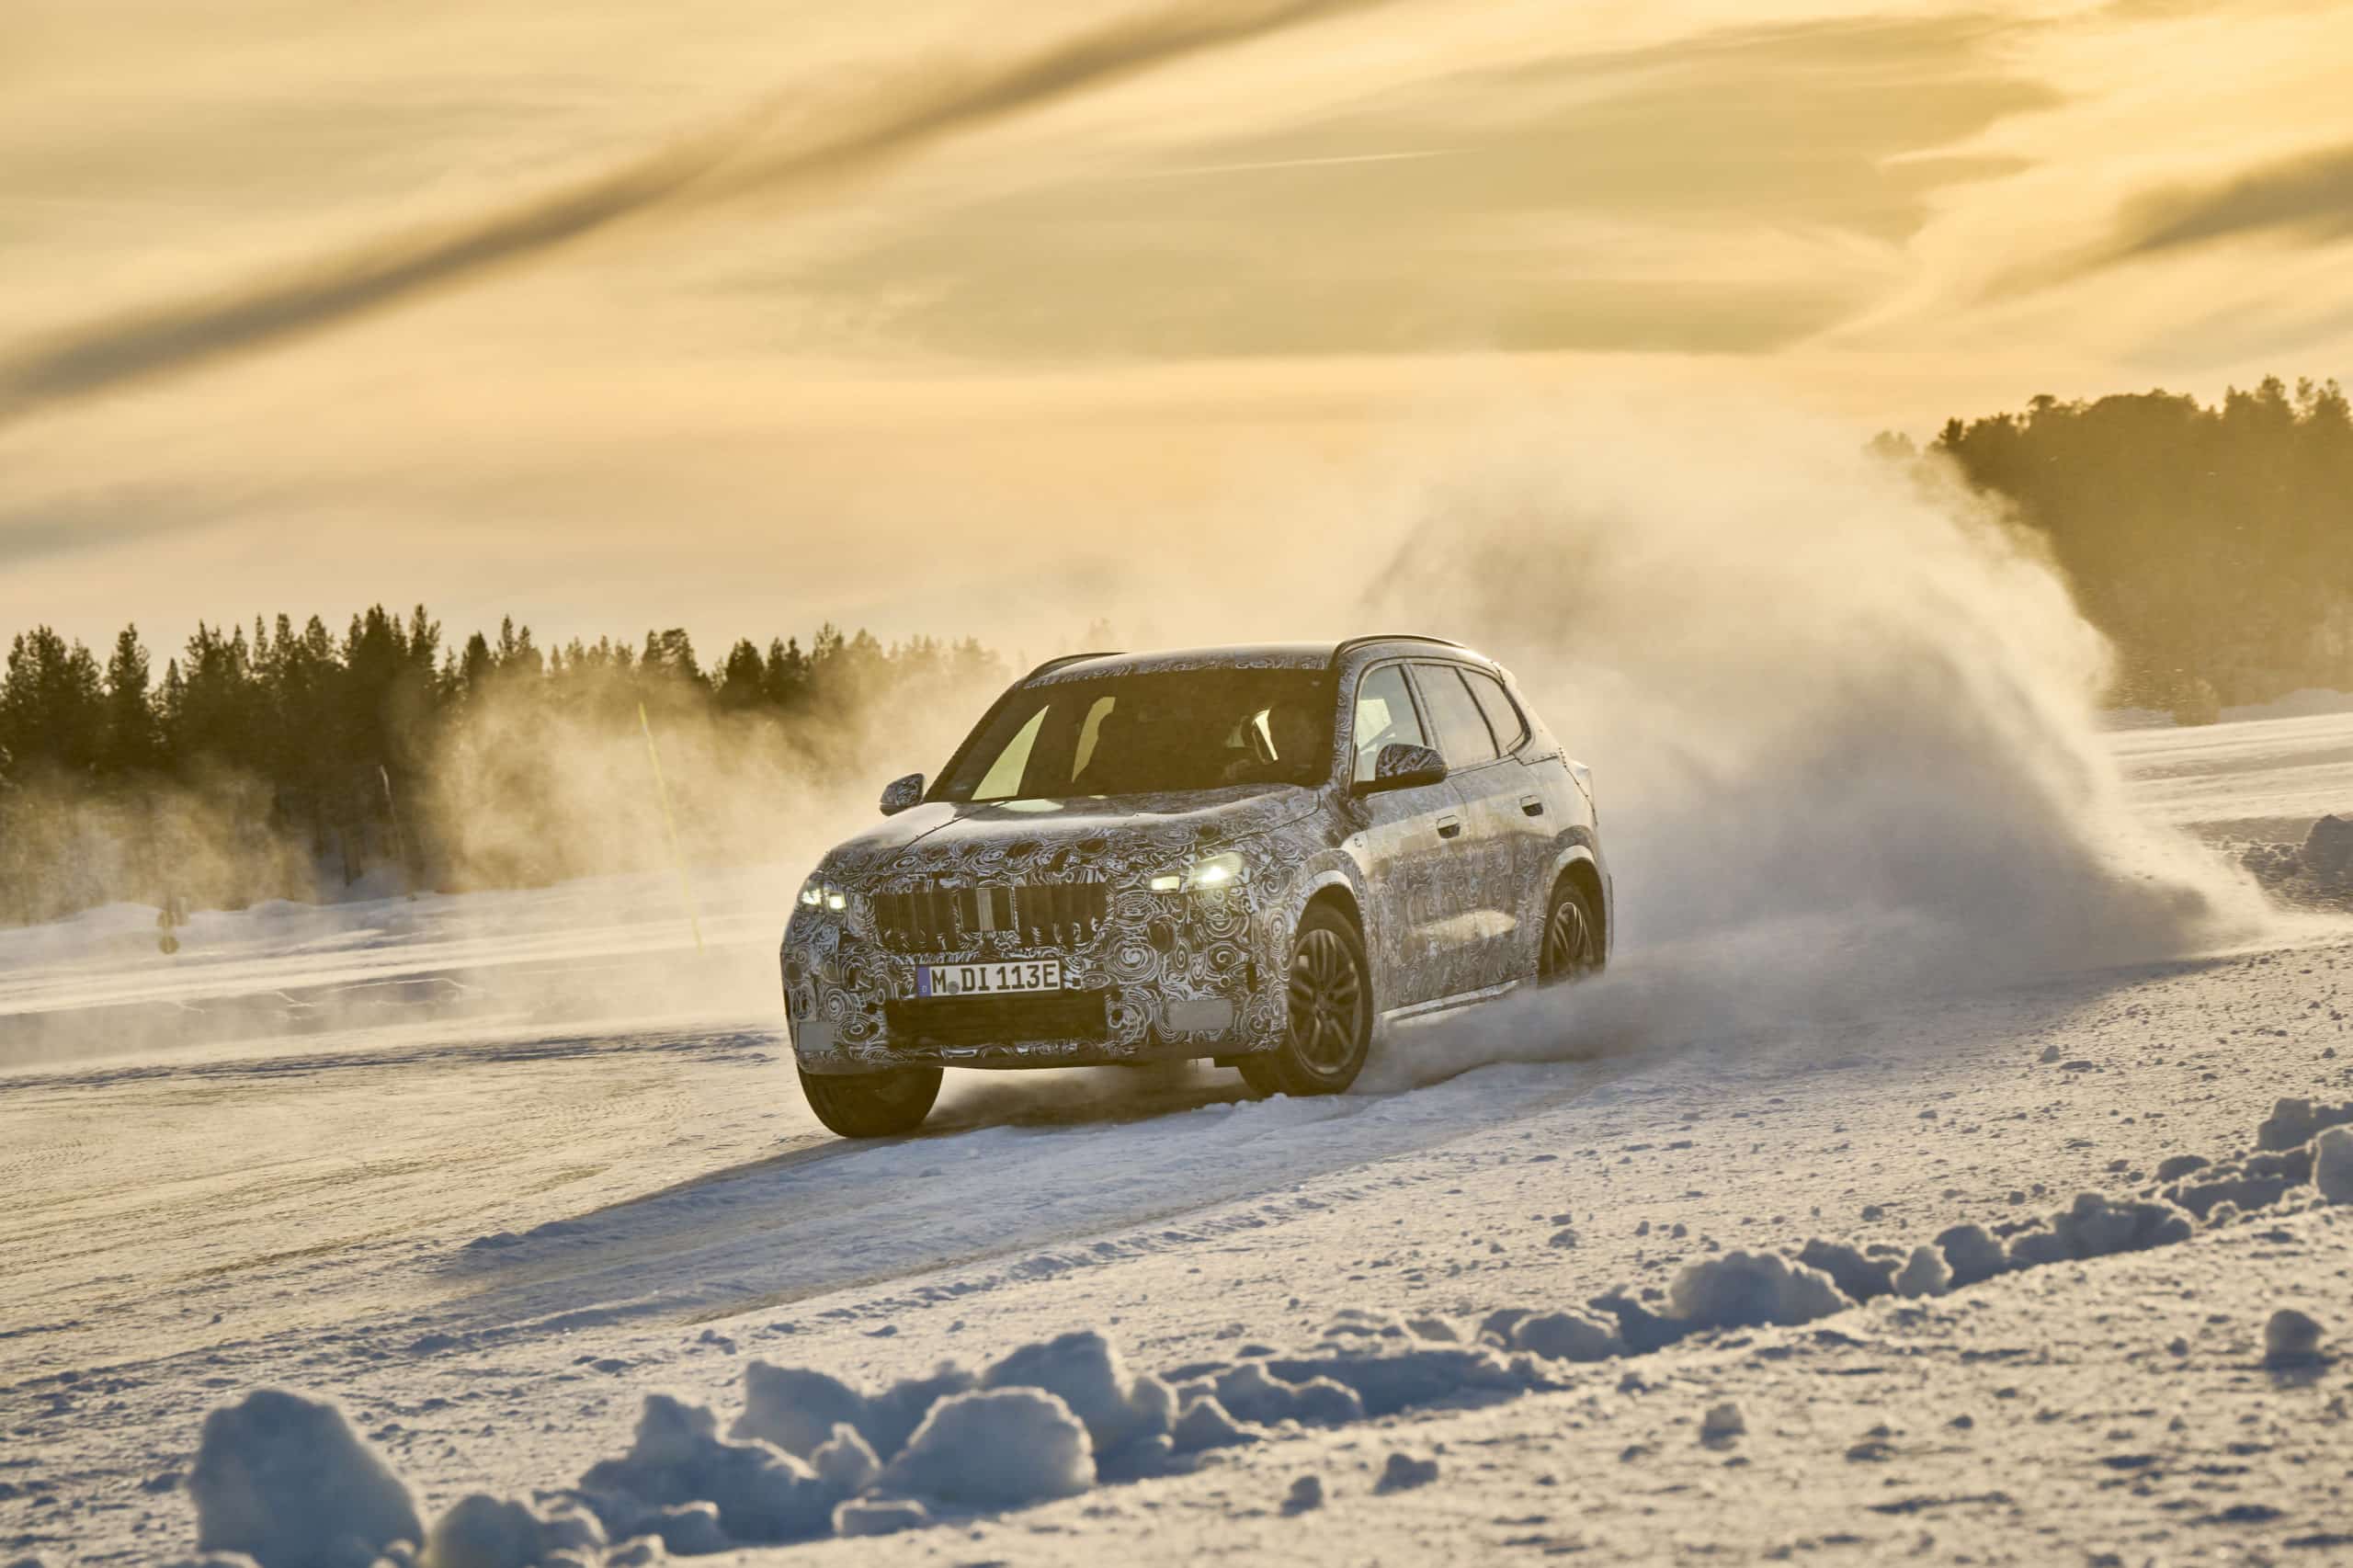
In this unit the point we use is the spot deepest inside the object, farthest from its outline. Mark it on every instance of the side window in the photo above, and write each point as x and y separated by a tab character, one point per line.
1462	733
1384	717
1002	780
1503	713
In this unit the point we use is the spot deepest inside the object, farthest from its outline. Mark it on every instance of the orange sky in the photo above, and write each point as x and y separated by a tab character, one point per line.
1104	305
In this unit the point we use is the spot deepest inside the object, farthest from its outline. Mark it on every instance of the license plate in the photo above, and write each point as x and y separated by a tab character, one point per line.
987	979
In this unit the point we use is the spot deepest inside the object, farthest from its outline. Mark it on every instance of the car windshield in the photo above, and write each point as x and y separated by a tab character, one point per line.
1149	733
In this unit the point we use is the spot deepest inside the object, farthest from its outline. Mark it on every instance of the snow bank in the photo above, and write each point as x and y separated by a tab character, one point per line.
797	1409
996	1448
1086	1372
761	1493
1972	1254
285	1480
482	1531
2253	1181
1420	1374
2096	1226
879	1516
1925	1274
1747	1290
1205	1425
2293	1123
1568	1336
2333	1164
1855	1272
1255	1394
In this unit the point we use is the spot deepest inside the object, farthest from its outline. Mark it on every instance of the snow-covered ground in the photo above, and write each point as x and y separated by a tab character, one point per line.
485	1172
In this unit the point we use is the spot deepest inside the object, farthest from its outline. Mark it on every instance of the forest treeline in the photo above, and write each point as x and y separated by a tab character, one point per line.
2213	544
288	760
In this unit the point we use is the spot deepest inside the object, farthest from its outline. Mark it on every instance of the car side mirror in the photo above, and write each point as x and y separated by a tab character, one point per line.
901	793
1401	766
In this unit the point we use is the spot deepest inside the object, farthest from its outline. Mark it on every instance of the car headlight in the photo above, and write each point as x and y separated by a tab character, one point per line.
1204	876
819	893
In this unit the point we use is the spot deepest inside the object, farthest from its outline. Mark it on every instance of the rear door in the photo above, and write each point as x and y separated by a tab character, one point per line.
1542	796
1409	838
1485	872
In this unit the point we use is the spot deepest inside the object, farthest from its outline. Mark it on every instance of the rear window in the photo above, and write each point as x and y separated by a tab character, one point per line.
1462	733
1504	716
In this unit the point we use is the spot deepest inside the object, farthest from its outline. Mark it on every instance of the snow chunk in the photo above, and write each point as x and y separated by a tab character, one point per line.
1252	1393
1403	1473
1744	1290
1206	1424
796	1408
2293	1123
482	1531
1859	1277
2095	1227
844	1463
1972	1254
2256	1181
2290	1339
1568	1336
879	1516
688	1529
1420	1374
761	1493
996	1448
286	1481
1722	1424
1306	1495
1086	1372
1927	1274
2333	1164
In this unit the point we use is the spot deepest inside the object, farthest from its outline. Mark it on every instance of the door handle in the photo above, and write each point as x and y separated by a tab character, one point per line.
1533	804
1450	827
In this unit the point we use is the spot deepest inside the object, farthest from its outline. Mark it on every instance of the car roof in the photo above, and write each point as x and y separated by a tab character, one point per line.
1239	655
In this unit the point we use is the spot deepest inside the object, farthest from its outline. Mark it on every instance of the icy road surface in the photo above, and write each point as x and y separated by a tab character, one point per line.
487	1169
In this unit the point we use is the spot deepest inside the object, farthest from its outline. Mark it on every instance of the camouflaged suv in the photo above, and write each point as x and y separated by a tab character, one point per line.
1257	855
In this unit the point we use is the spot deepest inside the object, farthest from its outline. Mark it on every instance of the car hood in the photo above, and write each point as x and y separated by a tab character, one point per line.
1091	835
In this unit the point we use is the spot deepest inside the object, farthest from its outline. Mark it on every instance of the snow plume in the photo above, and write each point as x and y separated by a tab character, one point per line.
766	152
1841	716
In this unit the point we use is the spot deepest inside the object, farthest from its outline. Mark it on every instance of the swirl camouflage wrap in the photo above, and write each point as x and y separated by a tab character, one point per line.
1171	916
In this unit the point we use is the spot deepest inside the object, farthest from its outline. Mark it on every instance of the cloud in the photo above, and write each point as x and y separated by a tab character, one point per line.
727	163
1665	196
2310	195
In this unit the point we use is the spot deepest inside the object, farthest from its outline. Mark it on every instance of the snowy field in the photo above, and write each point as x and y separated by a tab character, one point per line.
485	1172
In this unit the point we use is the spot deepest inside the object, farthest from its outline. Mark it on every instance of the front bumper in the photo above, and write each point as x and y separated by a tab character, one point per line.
1160	976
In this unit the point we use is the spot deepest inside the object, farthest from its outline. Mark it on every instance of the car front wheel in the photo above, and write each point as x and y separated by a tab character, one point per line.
872	1105
1331	1013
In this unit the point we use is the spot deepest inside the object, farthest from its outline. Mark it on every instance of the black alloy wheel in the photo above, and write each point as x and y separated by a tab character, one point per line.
1331	1013
872	1105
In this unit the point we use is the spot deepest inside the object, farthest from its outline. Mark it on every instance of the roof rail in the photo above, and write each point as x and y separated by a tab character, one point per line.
1055	664
1355	642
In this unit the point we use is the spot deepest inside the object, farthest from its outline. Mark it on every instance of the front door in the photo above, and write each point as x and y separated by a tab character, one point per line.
1485	872
1411	842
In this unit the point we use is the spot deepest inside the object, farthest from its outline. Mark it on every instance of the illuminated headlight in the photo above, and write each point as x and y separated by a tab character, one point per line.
818	893
1203	876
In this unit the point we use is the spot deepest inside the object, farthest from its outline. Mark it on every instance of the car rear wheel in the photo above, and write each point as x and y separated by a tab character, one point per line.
1572	938
1331	1013
872	1105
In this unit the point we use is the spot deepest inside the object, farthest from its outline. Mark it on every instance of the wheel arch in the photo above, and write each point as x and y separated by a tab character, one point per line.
1577	867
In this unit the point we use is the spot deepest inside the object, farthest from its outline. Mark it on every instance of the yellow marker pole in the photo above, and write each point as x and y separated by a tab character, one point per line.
662	793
